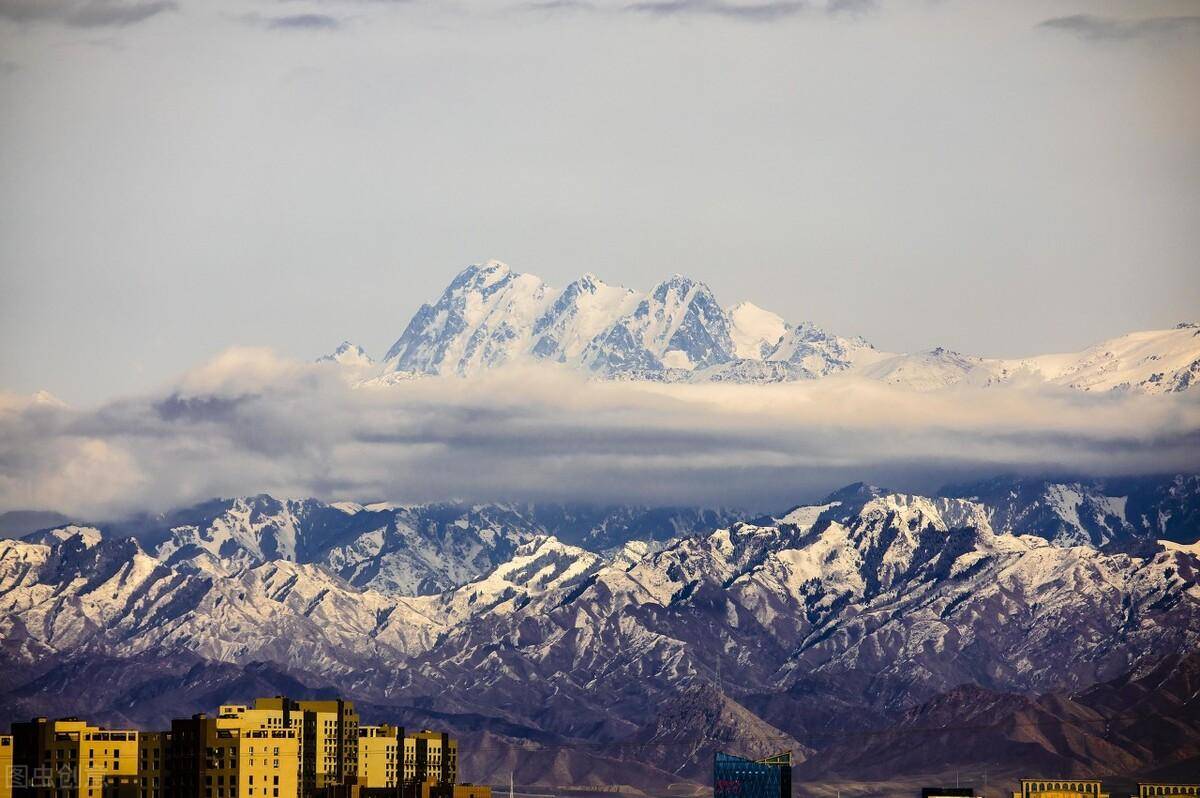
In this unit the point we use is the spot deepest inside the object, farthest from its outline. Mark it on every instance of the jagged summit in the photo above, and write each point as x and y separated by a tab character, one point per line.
856	493
482	604
490	316
348	354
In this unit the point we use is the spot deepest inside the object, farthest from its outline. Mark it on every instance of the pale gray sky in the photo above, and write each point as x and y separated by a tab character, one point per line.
175	178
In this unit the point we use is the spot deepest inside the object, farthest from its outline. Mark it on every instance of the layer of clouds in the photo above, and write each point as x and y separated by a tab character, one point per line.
557	5
251	422
1112	29
84	13
293	22
763	11
750	10
303	22
746	10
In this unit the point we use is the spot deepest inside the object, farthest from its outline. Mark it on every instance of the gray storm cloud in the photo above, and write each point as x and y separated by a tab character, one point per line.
251	422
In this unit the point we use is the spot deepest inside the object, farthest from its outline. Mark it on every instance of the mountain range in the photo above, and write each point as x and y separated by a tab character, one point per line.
584	645
491	316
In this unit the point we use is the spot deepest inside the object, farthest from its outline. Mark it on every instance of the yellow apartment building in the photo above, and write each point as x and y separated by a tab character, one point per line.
1160	790
210	759
379	755
268	766
6	765
1060	788
430	756
70	759
328	740
246	718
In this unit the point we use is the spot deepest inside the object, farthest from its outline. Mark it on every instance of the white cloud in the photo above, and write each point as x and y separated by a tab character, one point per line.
250	421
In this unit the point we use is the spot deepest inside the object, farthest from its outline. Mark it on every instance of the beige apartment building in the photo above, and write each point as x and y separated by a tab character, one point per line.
379	755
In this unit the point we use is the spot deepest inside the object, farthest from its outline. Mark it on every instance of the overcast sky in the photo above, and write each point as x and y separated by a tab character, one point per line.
178	177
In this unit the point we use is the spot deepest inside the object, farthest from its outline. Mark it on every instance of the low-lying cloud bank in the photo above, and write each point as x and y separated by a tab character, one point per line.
250	422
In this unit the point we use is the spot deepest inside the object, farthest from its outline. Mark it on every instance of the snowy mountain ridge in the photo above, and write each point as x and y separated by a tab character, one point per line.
619	626
490	316
920	590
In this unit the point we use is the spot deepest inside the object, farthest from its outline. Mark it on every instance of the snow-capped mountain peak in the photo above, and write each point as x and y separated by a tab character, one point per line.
348	354
755	332
490	316
483	319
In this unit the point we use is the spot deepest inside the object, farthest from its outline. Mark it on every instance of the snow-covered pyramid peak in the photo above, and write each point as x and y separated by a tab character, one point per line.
755	332
678	325
484	318
483	275
580	313
348	354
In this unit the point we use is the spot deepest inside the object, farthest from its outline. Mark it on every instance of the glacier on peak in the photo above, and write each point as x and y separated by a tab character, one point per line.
491	315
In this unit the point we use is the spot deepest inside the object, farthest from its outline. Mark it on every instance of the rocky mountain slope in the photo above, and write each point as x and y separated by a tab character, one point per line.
826	620
1104	513
1141	721
393	548
491	316
843	613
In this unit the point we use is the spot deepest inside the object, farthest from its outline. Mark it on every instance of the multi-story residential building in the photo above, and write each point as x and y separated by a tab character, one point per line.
6	766
1161	790
211	759
243	717
379	755
430	756
70	759
1060	788
329	739
151	767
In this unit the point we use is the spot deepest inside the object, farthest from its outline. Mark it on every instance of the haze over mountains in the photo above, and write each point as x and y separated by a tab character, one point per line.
490	316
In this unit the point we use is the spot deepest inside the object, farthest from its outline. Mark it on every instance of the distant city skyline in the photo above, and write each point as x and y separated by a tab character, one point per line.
179	178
